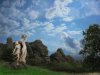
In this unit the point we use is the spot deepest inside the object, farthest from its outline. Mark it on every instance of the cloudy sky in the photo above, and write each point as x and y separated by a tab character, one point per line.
58	23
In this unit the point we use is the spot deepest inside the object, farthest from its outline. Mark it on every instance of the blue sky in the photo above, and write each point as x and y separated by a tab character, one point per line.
58	23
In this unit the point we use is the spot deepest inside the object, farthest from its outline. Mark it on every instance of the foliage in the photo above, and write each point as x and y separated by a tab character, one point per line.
65	67
7	50
91	47
58	56
10	43
40	53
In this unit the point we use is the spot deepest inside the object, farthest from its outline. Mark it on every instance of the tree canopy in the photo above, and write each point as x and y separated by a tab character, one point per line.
91	46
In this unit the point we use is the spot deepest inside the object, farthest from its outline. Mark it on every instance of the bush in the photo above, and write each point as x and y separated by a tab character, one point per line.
7	55
65	67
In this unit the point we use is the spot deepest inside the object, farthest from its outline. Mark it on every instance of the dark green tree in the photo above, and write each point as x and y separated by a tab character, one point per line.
9	43
91	47
7	50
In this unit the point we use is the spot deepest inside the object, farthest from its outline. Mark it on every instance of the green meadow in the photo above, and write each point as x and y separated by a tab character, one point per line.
33	70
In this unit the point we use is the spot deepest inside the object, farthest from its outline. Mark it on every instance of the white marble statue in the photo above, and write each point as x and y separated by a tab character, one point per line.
20	50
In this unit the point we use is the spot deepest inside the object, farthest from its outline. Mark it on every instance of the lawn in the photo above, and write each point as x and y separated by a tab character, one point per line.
4	70
34	71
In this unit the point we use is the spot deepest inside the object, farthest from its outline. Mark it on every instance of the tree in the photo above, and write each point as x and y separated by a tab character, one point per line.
7	50
91	46
1	49
9	43
58	56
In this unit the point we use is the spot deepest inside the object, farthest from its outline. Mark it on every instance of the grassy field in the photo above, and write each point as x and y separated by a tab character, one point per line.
34	71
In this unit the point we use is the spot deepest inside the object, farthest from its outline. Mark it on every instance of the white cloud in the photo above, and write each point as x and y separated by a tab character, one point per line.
26	22
13	27
6	3
19	3
70	44
67	13
48	27
19	33
60	28
50	13
33	14
8	23
14	15
73	32
64	35
15	3
68	19
12	12
90	7
36	2
60	9
53	30
28	26
93	9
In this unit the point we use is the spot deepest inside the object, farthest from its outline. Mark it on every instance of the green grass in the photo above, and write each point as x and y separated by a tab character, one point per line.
29	71
34	71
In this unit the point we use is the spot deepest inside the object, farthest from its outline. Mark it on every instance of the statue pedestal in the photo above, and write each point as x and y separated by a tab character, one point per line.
13	65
